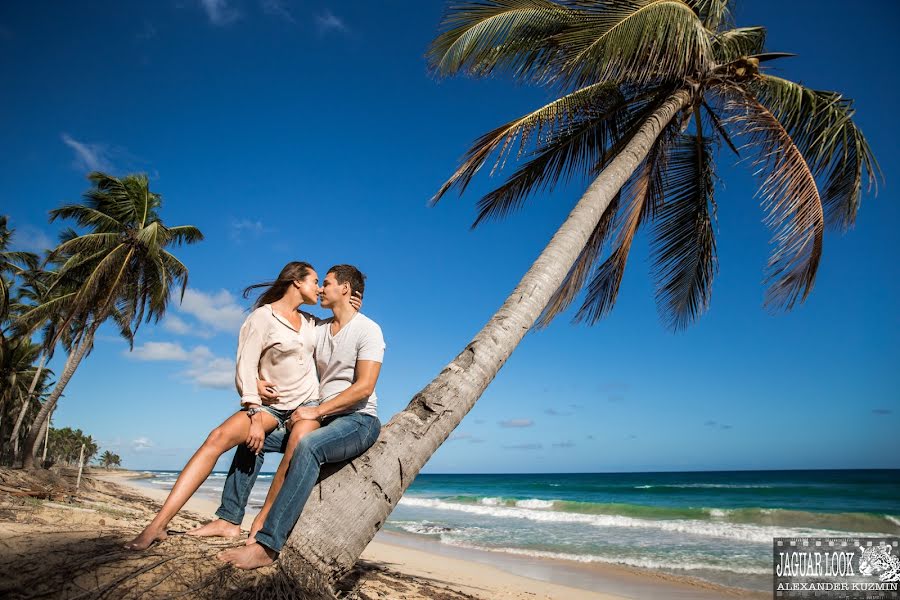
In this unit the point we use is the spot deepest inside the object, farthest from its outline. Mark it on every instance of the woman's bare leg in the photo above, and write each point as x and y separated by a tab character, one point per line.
299	429
226	436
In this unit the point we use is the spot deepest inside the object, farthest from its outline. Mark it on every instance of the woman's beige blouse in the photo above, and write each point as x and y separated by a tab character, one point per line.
271	349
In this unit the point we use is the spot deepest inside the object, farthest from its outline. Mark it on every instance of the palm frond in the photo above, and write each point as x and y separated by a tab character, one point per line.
733	44
790	197
821	125
644	192
184	234
86	216
86	244
713	13
684	248
484	36
593	102
638	42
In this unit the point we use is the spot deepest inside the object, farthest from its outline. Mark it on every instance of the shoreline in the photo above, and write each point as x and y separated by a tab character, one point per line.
475	571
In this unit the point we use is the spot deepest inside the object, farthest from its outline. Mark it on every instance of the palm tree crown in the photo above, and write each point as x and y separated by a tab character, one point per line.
615	62
121	266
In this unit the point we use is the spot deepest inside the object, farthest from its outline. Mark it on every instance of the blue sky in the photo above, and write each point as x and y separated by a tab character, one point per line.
289	130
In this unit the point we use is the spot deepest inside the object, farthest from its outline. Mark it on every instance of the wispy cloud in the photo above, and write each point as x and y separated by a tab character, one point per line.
327	22
220	13
31	239
242	229
165	351
177	325
882	411
464	436
524	447
219	310
217	373
556	413
277	8
205	369
516	423
141	444
566	444
89	156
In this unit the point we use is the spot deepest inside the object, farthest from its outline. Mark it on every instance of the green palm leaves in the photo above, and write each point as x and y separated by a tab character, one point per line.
613	62
121	265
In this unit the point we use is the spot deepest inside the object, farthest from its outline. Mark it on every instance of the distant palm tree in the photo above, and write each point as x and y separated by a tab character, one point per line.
109	459
12	263
120	268
649	90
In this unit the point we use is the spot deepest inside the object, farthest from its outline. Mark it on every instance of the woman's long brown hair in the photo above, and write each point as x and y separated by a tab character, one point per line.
293	271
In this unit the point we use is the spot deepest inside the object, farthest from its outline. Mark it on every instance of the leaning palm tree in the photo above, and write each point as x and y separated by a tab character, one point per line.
648	92
120	268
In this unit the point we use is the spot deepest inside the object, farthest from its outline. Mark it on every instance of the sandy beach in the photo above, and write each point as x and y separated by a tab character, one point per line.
61	544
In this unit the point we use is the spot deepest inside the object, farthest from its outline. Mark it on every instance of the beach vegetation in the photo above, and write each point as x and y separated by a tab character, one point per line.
115	265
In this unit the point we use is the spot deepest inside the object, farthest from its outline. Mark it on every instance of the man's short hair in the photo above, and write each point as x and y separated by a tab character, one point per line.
349	274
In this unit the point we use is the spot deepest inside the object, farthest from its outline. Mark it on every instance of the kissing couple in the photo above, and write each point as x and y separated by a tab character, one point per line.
307	389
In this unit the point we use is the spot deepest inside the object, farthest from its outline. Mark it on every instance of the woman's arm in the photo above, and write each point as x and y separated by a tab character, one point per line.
246	373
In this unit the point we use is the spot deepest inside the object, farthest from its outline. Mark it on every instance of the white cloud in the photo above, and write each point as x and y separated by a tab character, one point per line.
142	443
277	8
176	325
206	369
245	228
220	310
31	239
219	12
465	436
217	373
516	423
89	157
524	447
328	21
159	351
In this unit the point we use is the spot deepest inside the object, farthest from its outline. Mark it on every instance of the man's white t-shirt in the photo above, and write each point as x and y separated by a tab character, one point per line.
336	356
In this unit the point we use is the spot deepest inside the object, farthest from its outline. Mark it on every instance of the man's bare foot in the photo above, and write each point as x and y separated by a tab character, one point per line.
248	557
146	538
217	528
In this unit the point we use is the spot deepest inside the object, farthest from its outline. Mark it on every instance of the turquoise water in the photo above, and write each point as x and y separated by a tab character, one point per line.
716	526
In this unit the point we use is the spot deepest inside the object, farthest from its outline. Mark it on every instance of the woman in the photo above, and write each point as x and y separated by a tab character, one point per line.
276	344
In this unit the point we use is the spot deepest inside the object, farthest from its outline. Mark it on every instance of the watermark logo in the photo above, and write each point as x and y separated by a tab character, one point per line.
847	568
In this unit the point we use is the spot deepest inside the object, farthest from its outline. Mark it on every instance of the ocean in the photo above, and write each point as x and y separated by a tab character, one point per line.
716	526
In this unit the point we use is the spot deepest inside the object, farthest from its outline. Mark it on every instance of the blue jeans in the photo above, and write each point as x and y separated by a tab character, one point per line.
340	438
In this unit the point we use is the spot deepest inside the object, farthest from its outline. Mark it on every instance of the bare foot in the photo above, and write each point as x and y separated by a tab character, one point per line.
146	538
217	528
248	557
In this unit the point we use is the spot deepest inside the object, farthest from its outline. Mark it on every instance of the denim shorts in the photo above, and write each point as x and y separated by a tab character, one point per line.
283	416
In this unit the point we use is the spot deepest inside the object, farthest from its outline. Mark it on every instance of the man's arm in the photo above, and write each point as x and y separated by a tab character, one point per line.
366	376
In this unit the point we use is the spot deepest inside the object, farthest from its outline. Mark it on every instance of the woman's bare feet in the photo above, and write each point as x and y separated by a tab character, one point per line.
248	557
217	528
146	538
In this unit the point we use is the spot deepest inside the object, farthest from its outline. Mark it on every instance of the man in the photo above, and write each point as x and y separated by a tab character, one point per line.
349	353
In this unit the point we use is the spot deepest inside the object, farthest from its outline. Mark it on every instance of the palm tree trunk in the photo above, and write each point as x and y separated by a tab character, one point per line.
25	404
349	506
72	362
